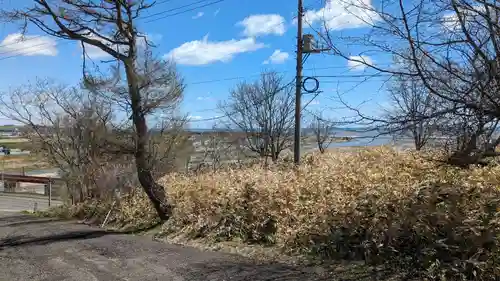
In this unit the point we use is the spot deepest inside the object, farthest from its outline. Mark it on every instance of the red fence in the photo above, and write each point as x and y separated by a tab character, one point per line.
30	179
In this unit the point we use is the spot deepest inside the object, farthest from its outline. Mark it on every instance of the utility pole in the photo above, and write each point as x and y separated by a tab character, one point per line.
3	172
298	86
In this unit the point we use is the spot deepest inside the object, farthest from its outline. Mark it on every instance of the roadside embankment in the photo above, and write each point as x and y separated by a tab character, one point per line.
378	205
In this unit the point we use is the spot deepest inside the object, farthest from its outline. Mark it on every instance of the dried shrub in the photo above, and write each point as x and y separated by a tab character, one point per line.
377	205
132	211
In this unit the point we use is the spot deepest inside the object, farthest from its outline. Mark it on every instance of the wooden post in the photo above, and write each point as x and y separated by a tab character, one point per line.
50	191
10	187
107	216
298	86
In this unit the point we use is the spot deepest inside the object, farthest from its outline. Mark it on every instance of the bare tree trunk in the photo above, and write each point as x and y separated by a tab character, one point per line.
155	192
417	141
321	148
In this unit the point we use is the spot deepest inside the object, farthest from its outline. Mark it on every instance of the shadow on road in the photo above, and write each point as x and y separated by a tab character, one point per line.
17	218
16	221
243	271
239	271
23	240
227	268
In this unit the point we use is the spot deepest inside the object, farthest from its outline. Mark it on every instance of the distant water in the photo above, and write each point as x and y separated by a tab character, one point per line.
369	138
42	172
360	137
364	141
304	131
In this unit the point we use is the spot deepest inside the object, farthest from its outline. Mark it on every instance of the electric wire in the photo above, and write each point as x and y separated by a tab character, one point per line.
198	82
145	17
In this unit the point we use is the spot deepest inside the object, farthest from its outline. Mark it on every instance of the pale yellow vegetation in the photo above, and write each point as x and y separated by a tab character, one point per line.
376	204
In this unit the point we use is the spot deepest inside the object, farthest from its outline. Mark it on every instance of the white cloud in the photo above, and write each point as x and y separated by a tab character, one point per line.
204	98
216	12
96	53
201	52
256	25
472	14
198	15
450	20
194	117
277	57
342	14
356	62
385	105
28	45
153	37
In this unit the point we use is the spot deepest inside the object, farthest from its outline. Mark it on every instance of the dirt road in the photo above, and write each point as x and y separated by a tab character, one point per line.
37	249
19	202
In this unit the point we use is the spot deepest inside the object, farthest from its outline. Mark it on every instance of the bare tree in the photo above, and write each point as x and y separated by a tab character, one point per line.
451	46
215	149
263	110
323	132
411	103
66	126
161	92
112	28
75	130
468	137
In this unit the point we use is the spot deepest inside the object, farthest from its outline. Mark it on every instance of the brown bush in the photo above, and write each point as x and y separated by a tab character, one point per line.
377	205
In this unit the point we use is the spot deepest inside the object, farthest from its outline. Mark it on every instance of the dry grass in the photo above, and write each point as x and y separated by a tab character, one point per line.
12	140
16	163
377	205
17	143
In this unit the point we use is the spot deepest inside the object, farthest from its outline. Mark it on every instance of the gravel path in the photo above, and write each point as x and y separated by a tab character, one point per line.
39	249
11	202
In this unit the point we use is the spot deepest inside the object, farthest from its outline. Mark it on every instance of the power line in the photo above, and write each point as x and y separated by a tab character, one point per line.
367	78
181	7
145	17
63	39
349	90
354	75
280	72
312	99
286	71
256	75
303	108
25	48
163	2
200	82
237	111
351	81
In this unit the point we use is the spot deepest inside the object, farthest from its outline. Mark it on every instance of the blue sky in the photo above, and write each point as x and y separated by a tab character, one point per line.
231	39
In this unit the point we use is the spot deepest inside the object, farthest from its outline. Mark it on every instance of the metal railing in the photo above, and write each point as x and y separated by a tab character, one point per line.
10	183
